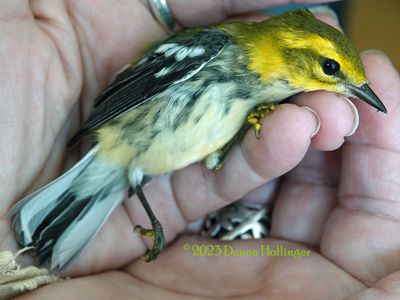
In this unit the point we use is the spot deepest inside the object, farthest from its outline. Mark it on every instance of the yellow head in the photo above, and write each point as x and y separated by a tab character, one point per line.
307	53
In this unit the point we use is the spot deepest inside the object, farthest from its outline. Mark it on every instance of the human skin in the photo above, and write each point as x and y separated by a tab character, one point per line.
344	205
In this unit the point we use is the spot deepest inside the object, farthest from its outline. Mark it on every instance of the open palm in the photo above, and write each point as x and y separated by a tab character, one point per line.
57	55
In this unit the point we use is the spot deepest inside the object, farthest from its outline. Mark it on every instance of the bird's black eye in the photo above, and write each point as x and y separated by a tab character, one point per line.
330	66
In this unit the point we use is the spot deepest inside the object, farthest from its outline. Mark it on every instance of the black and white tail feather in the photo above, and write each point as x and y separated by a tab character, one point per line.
61	219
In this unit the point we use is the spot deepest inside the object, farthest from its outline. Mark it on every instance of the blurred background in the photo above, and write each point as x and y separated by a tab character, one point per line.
370	24
374	24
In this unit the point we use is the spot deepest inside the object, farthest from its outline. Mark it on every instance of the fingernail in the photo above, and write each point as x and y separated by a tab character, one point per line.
325	10
374	51
317	118
356	117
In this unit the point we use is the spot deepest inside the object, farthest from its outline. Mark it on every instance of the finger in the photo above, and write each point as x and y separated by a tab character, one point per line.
208	12
264	194
339	118
285	138
362	233
380	129
307	196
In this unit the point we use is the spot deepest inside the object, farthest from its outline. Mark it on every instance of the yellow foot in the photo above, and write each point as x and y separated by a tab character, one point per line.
158	240
214	161
255	116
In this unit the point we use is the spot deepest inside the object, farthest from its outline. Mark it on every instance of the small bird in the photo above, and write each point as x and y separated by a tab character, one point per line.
189	98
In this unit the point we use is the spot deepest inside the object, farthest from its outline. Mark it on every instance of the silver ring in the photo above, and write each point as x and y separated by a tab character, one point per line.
239	220
162	14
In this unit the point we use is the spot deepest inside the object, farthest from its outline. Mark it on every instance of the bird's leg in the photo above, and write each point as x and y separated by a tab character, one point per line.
215	160
156	232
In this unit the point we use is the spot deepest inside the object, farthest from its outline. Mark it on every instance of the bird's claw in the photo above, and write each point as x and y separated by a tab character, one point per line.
255	116
158	240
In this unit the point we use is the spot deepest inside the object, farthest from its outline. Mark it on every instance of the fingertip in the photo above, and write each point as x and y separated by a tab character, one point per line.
378	128
338	118
377	60
326	14
379	67
285	138
377	53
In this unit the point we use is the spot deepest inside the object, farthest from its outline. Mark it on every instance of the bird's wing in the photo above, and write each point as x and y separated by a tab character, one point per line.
174	61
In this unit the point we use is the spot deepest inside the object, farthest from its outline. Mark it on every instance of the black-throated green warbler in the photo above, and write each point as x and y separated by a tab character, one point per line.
187	99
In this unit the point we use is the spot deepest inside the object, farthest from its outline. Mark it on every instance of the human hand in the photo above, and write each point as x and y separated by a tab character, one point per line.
75	67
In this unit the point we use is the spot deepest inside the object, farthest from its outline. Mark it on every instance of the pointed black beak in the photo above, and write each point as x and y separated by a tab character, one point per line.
366	94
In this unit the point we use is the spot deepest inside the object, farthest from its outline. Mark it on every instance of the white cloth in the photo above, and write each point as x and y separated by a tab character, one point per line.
15	280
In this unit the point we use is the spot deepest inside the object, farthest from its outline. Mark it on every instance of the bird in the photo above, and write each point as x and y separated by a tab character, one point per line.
189	98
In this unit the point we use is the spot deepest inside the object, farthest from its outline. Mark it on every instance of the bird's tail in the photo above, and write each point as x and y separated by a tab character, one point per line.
60	219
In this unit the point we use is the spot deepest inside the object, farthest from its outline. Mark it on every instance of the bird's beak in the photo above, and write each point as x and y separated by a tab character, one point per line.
366	94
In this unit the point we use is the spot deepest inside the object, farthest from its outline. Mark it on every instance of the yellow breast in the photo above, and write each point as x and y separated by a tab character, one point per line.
160	147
